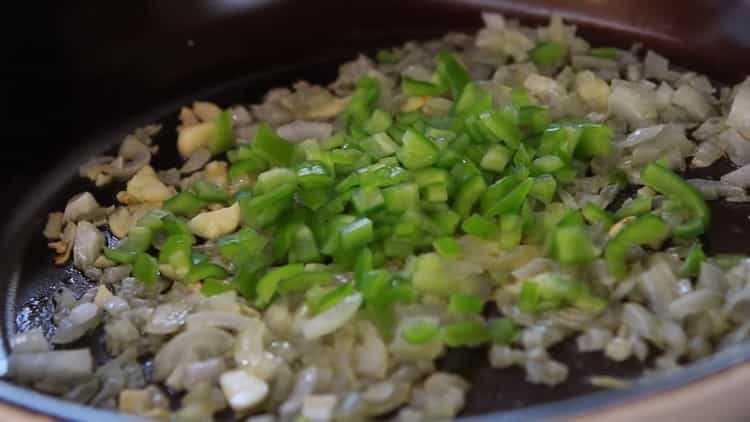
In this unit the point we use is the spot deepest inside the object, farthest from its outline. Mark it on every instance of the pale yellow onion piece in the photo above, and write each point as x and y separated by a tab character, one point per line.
81	207
214	224
145	186
413	104
206	111
120	222
193	137
134	402
187	118
216	173
592	90
328	110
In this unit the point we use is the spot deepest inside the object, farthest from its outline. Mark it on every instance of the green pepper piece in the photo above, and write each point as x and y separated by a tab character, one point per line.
442	222
420	332
544	188
480	226
247	271
417	88
646	229
379	121
153	220
223	136
693	261
262	210
209	192
595	214
465	333
145	268
675	188
330	298
503	125
363	101
496	158
595	141
304	248
138	240
503	331
253	165
548	53
246	241
573	246
462	303
304	281
499	190
379	145
175	256
185	204
401	198
177	226
468	195
473	100
314	174
529	297
212	287
512	202
609	53
634	208
452	72
519	97
204	270
274	149
417	151
273	179
533	119
547	164
367	199
356	234
447	247
268	284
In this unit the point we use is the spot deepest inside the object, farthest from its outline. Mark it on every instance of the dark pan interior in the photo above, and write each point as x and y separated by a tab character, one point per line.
100	103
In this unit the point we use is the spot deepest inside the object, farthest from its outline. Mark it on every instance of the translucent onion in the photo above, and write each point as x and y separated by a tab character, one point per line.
693	303
209	341
60	365
333	318
87	245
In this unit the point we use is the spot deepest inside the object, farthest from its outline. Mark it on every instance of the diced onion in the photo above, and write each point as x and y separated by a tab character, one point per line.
333	318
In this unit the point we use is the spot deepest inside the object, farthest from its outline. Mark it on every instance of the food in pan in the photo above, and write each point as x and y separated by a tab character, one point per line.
315	254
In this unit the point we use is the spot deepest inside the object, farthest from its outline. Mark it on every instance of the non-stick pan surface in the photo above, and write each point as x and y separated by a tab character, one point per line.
79	122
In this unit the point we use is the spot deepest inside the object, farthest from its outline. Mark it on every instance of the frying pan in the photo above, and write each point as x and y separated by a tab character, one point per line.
84	74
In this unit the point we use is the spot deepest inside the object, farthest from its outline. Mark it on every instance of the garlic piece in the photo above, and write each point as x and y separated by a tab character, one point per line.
214	224
193	137
145	186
